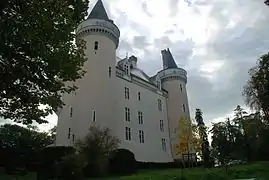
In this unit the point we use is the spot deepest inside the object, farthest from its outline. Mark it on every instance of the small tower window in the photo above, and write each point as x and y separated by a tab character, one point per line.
109	71
96	45
69	133
71	112
180	87
184	109
139	96
73	138
93	116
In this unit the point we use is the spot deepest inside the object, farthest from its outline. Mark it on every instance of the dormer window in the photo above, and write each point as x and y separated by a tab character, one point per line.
126	69
96	45
158	84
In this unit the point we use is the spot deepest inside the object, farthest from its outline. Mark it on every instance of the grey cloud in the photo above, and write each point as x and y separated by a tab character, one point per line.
140	42
162	42
239	46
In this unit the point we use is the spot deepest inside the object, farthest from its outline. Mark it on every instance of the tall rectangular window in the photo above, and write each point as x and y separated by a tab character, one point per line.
109	71
160	105
161	126
69	133
93	115
96	45
141	136
181	88
128	133
139	96
140	117
126	93
183	107
73	138
127	114
71	112
163	144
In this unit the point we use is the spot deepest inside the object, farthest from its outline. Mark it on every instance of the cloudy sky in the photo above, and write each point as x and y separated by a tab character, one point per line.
216	41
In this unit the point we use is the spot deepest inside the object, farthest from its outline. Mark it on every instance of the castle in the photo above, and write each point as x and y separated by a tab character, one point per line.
142	111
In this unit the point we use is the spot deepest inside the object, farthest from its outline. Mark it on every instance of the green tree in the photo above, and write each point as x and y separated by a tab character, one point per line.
23	139
38	56
256	91
203	134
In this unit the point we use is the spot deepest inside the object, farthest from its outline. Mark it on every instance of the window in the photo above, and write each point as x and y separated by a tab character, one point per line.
128	133
160	105
127	114
126	93
140	117
93	116
158	84
109	71
96	45
141	136
73	138
180	87
139	96
69	133
184	109
71	112
161	126
163	144
126	69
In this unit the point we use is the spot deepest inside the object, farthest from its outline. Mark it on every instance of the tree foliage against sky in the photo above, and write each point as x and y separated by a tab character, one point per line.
243	137
202	130
256	91
38	56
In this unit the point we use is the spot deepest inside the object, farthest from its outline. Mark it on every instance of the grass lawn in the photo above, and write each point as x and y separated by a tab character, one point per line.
260	171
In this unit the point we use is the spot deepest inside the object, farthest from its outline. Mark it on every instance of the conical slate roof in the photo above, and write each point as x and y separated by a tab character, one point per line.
168	60
98	12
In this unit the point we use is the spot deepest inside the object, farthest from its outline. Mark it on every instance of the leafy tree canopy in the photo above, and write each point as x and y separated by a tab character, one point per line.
256	91
17	137
38	56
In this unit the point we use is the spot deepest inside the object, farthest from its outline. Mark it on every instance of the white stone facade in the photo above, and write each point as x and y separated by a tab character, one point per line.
142	111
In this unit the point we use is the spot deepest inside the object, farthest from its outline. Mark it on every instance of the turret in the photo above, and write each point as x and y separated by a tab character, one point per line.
95	99
174	80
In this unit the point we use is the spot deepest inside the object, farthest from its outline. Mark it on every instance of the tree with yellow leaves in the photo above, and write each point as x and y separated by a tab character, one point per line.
188	138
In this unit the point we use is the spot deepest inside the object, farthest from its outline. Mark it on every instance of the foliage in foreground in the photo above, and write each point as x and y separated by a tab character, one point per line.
38	56
258	170
95	150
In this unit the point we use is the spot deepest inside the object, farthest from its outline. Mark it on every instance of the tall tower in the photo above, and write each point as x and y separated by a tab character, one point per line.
174	80
94	101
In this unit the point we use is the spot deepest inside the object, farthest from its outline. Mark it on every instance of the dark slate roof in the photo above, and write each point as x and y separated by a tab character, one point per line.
99	12
168	60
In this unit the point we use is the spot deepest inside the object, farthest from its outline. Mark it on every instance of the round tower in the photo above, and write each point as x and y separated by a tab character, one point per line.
174	80
97	88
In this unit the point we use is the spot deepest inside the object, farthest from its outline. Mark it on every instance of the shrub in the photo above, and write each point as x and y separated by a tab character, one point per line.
122	162
96	148
70	167
49	158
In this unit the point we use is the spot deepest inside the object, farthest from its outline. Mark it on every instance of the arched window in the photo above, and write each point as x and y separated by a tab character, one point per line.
96	45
